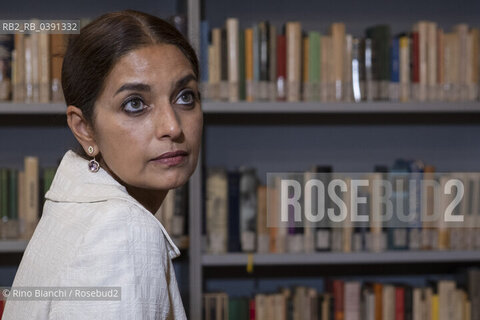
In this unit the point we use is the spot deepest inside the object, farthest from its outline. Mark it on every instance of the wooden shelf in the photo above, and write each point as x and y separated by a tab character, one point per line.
334	258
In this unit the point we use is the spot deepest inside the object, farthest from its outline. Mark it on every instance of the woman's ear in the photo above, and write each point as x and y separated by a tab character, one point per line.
80	128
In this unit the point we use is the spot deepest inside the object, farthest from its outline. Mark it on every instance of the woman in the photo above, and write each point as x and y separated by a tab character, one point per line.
130	84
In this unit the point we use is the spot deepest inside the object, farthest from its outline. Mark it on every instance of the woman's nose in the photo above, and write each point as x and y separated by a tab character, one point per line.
167	123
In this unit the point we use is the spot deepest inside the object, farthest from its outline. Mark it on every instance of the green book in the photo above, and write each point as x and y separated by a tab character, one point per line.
314	57
238	309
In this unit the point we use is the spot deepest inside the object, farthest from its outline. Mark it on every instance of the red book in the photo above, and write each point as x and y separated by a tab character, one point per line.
399	303
338	296
252	309
2	306
281	67
415	58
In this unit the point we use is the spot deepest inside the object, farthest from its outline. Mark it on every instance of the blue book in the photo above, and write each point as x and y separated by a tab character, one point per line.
395	61
397	231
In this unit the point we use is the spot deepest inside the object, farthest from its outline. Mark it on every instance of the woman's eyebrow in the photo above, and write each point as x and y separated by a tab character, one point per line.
183	81
133	87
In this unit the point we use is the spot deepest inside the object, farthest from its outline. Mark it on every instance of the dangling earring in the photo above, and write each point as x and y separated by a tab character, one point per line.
93	165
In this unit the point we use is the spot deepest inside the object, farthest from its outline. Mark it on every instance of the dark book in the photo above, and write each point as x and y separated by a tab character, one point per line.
234	244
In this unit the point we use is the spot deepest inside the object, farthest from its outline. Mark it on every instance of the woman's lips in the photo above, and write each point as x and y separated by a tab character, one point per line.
172	158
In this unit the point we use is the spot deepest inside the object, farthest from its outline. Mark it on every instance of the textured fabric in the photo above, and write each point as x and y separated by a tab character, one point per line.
93	233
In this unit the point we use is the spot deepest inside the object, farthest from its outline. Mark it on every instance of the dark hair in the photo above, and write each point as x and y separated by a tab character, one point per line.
92	54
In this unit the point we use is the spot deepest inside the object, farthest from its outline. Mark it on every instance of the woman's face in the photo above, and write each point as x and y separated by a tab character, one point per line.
148	119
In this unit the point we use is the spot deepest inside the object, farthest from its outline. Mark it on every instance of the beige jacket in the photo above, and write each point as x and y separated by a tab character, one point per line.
92	233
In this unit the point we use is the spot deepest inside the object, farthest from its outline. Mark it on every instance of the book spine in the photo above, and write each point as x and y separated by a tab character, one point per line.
347	90
415	63
216	210
440	65
31	194
306	92
423	60
256	61
232	30
432	61
399	303
249	64
215	63
294	58
394	90
248	209
262	230
242	95
19	68
263	32
224	76
281	79
44	67
272	63
6	50
358	82
404	57
204	59
233	212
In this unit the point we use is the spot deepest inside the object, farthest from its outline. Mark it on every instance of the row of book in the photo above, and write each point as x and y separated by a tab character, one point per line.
354	300
31	64
21	194
236	217
32	67
22	197
263	63
173	214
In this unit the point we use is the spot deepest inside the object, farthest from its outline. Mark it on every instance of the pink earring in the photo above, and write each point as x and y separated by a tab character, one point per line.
93	165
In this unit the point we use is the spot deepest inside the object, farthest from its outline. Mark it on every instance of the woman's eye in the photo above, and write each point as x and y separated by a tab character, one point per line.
186	98
134	105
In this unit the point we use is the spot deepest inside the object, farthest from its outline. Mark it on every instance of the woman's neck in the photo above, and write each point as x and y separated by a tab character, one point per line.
150	199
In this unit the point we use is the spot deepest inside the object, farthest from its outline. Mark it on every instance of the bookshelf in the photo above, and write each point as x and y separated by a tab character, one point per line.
216	11
242	130
224	116
198	261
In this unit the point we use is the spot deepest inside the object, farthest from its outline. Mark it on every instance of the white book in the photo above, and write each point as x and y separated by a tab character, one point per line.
233	58
351	303
294	58
217	209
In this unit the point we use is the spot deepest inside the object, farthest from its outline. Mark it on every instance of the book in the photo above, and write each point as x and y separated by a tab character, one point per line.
233	52
337	32
30	215
248	208
6	56
263	239
293	60
234	211
216	210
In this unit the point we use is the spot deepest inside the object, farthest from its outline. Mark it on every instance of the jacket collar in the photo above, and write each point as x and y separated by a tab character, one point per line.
74	182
